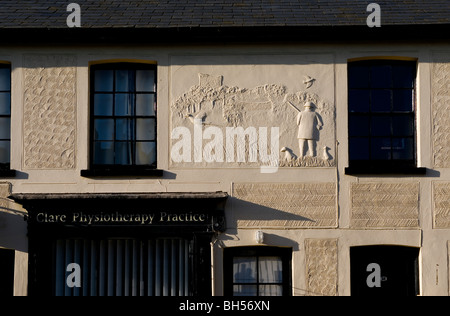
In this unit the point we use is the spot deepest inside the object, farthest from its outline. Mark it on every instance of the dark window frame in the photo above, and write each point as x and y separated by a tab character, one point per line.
258	251
371	164
132	168
5	166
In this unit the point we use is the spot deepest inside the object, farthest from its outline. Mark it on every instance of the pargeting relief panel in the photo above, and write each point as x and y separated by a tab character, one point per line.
49	118
388	205
440	100
230	125
321	267
284	205
441	209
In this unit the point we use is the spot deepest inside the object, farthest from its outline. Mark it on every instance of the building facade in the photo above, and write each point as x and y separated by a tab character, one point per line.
250	159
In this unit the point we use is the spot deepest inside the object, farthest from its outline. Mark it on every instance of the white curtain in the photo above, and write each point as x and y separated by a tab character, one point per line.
270	271
257	276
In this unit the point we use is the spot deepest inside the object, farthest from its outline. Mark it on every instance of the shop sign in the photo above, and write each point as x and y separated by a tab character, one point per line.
122	218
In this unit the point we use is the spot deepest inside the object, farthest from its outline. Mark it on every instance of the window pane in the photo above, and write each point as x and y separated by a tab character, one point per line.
359	125
403	100
359	101
404	76
145	153
359	149
103	104
403	126
124	129
145	80
104	80
145	129
145	105
5	79
381	100
245	290
123	154
5	152
381	148
5	128
270	270
381	77
403	148
5	103
124	80
104	129
380	126
270	290
124	104
358	77
104	153
244	270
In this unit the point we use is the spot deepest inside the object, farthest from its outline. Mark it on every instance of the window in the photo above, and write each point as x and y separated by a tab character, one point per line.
124	267
384	271
257	271
5	120
381	107
123	117
7	257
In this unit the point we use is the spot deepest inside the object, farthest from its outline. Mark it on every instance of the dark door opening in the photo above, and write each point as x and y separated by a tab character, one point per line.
384	271
7	258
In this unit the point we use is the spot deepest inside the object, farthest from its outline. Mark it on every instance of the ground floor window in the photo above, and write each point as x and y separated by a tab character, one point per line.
257	271
123	267
384	271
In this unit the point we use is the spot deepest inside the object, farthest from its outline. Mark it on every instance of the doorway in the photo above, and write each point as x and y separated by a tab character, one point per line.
384	271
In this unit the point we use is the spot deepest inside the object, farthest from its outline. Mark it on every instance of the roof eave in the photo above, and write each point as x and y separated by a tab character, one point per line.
217	34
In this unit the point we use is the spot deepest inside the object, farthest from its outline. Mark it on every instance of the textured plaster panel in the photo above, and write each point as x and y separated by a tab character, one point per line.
384	205
285	205
321	267
249	93
440	96
441	196
49	118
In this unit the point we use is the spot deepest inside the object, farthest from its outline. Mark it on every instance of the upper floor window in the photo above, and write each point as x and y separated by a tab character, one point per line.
382	121
123	116
5	116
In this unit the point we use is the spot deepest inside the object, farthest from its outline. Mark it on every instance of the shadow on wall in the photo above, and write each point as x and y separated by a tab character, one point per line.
13	226
256	215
